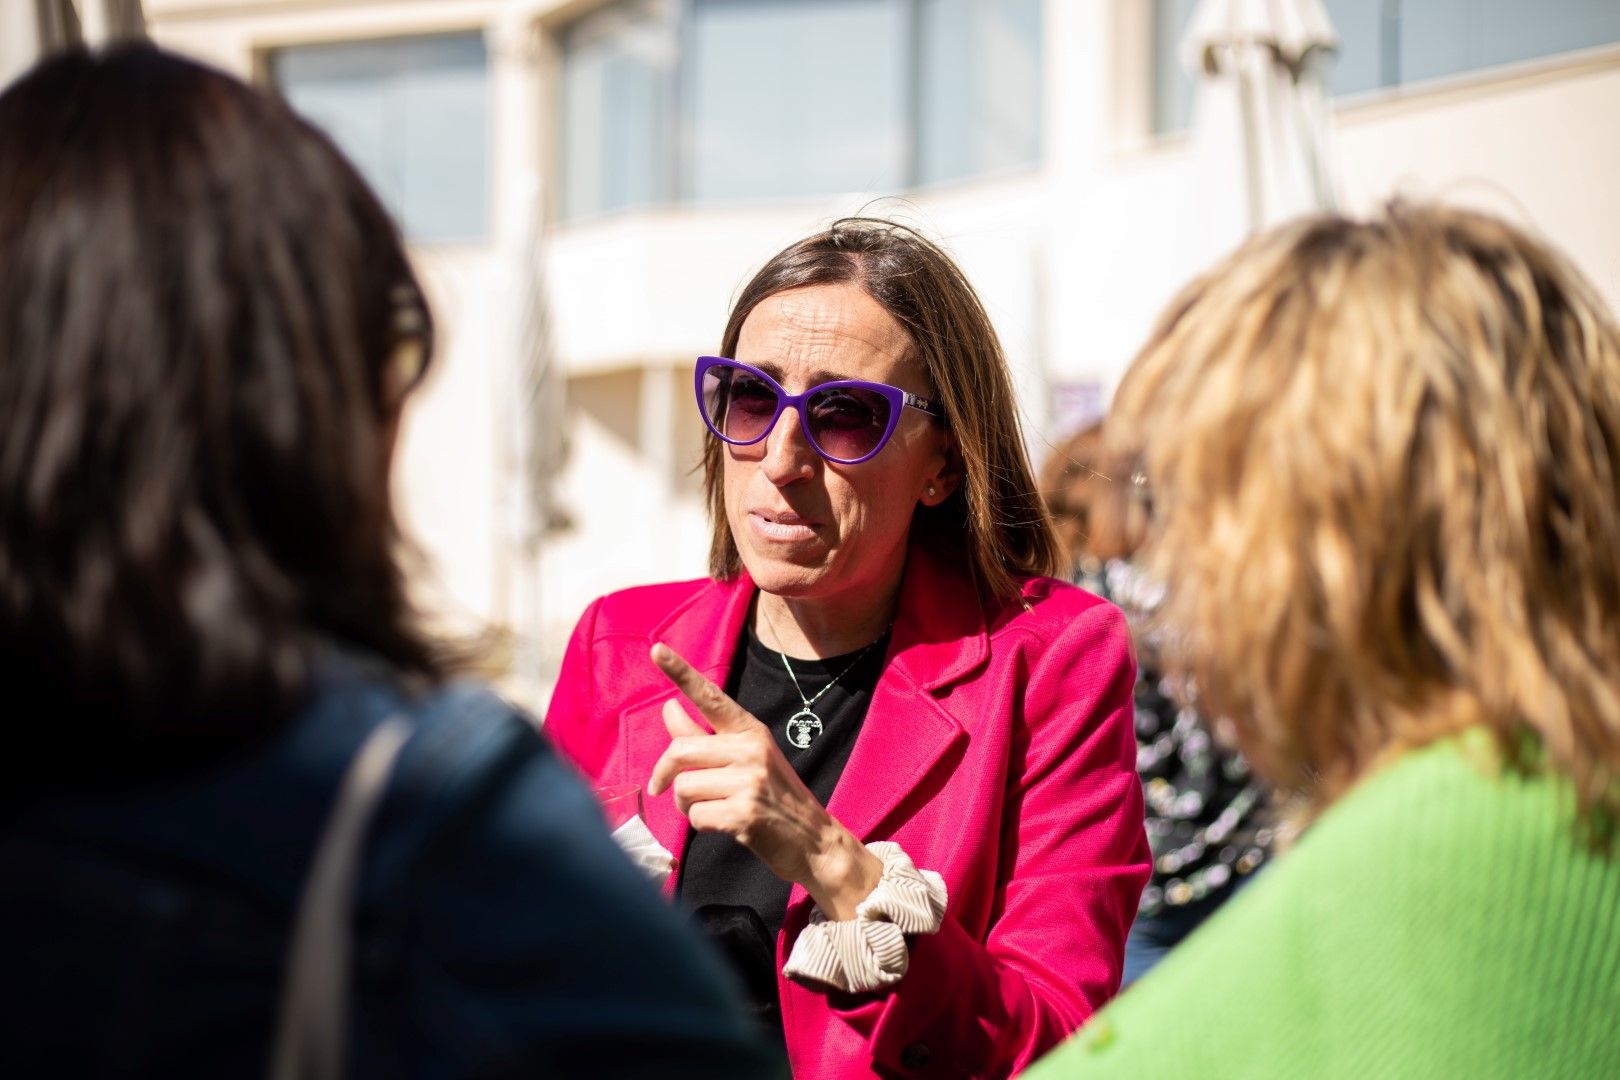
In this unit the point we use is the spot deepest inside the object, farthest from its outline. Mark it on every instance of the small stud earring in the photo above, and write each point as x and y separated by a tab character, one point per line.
930	491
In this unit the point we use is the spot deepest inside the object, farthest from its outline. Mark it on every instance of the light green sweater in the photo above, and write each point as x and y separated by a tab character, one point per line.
1441	920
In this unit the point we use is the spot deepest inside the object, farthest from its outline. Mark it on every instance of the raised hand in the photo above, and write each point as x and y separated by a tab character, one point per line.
737	782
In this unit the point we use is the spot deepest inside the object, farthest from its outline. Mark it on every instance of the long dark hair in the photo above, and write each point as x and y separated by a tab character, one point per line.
199	301
996	520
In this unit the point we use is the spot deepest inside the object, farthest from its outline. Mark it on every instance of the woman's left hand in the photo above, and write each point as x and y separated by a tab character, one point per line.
736	781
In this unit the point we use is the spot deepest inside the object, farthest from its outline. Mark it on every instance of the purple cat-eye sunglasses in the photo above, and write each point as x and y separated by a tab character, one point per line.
847	421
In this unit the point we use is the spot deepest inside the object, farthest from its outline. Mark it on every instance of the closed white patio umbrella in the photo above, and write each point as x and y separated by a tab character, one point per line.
31	28
1262	128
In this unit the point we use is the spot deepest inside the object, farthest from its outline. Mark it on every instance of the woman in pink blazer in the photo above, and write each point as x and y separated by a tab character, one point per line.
896	761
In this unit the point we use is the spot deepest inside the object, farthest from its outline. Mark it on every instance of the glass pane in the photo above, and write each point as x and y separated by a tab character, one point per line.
1172	84
1391	42
615	88
979	86
796	99
413	115
1359	64
1447	37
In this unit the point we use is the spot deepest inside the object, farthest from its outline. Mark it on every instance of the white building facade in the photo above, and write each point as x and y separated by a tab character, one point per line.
586	184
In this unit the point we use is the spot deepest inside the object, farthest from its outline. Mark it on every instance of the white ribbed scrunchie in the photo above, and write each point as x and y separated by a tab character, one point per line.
868	952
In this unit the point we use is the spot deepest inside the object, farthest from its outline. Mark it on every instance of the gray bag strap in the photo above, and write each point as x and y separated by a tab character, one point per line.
314	1018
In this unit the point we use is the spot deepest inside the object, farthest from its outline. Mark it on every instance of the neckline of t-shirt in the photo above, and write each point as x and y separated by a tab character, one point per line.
826	666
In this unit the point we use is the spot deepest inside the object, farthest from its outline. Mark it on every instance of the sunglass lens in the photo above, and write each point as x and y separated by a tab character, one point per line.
736	403
847	422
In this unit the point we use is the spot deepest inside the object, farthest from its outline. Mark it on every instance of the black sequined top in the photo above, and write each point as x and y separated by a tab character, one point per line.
1206	814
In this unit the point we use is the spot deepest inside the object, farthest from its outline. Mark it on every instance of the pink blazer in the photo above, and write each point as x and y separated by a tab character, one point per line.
998	750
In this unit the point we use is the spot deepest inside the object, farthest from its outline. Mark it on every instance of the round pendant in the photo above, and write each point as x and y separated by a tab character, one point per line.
802	728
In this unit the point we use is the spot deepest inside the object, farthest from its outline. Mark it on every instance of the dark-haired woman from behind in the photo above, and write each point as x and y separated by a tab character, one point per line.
207	331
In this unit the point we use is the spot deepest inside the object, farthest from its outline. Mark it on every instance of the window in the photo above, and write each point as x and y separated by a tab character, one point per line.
412	114
980	87
615	98
1386	43
721	100
801	98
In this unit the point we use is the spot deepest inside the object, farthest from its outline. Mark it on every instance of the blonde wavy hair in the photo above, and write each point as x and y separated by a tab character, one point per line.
1384	463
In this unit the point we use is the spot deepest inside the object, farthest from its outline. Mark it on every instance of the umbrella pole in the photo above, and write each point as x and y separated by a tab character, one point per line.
1251	149
58	25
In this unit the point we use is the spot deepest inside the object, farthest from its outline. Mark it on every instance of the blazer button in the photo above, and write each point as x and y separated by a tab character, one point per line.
916	1056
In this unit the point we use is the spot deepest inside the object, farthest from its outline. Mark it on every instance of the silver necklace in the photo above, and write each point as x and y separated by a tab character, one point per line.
803	726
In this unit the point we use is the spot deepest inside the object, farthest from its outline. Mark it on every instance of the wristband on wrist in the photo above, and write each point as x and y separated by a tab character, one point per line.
869	951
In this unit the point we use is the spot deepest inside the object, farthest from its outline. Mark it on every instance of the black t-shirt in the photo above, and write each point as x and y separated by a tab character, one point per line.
734	896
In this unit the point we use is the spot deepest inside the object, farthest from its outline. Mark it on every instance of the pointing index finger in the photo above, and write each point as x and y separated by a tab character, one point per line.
722	713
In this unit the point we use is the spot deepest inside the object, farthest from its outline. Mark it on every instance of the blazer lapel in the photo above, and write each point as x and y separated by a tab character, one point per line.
939	636
905	736
704	632
645	741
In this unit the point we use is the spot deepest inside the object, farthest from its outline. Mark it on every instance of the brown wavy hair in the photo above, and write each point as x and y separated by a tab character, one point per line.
1386	472
202	306
996	518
